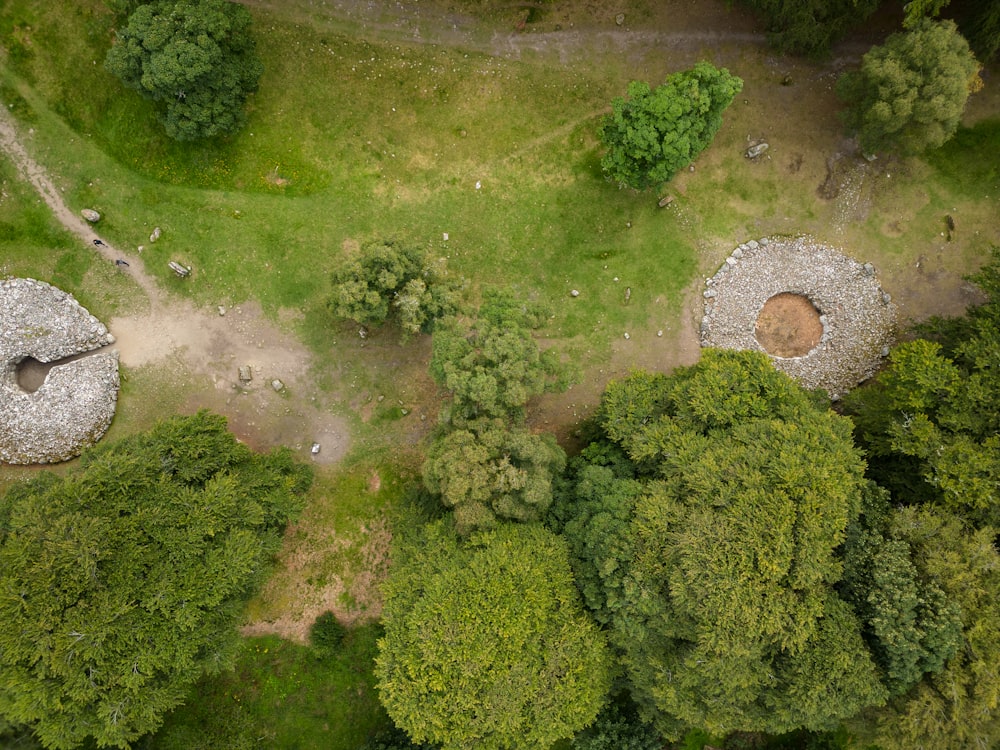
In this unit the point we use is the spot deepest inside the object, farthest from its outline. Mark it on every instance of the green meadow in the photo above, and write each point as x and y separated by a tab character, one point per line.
490	159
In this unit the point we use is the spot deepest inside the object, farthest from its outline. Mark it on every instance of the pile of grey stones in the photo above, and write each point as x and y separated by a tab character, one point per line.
857	314
74	407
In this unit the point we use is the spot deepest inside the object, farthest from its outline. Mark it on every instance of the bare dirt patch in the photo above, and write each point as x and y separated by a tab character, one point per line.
214	346
304	587
194	343
788	325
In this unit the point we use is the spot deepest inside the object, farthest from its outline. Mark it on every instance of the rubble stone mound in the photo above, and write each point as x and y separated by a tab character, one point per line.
75	404
858	317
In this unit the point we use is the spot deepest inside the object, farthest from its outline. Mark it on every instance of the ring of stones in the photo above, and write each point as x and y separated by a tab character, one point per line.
74	406
857	315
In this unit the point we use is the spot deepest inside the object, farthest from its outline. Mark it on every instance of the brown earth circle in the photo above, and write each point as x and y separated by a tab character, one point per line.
788	325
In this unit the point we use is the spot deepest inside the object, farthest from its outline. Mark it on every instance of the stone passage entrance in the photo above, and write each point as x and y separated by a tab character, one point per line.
58	378
788	325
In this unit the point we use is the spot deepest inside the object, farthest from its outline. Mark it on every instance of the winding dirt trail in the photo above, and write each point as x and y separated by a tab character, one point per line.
188	343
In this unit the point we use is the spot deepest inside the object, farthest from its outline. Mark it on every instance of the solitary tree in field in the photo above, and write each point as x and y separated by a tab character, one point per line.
486	644
654	134
391	281
195	58
909	94
122	584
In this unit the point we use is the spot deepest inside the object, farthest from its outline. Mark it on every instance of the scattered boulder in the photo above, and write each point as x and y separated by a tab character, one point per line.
754	151
620	19
155	235
180	270
277	385
90	215
246	374
665	201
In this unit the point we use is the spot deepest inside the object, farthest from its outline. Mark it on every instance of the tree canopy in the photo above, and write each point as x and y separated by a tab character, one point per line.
486	644
809	27
724	531
122	583
910	93
654	134
931	419
955	708
487	471
492	364
196	58
979	22
390	281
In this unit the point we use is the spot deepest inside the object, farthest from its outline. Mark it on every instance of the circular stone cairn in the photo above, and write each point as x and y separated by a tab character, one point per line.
856	316
75	404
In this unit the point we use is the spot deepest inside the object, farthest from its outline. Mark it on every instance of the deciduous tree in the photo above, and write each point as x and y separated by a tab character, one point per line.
809	27
714	559
487	471
492	364
390	281
931	420
653	134
910	92
195	58
486	644
956	708
122	583
911	626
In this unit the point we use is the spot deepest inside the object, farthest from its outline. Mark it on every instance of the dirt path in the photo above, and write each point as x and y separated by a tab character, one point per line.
570	32
192	344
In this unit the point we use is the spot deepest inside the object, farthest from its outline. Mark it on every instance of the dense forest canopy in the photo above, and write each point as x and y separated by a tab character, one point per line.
122	583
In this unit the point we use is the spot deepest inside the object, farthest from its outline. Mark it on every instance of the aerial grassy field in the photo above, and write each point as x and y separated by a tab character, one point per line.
472	132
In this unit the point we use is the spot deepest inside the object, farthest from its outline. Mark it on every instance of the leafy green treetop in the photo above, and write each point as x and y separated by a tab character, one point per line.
487	645
809	27
955	708
714	559
196	58
931	420
487	471
911	626
979	22
122	583
393	282
916	11
654	134
492	364
910	93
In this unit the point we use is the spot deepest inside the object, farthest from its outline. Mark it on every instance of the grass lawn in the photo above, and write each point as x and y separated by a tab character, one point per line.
400	126
282	695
